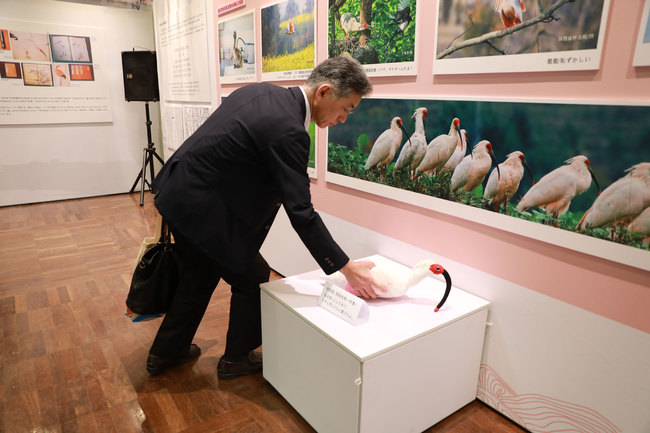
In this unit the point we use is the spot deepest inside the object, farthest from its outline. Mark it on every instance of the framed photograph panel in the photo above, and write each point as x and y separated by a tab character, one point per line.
237	49
495	36
288	40
572	174
380	35
642	51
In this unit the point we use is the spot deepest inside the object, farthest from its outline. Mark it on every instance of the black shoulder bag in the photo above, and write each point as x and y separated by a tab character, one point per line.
154	280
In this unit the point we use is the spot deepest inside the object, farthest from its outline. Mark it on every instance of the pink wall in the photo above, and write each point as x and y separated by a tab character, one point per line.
616	291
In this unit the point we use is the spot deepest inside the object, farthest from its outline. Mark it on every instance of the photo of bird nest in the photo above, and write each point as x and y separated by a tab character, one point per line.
372	32
520	35
579	168
288	35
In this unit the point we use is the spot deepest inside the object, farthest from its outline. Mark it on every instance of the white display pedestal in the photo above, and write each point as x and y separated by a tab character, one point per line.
403	369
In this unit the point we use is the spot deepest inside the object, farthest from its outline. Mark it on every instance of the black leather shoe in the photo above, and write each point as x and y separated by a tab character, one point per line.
157	365
231	369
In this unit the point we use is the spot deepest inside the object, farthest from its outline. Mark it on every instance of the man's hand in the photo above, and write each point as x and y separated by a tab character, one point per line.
360	279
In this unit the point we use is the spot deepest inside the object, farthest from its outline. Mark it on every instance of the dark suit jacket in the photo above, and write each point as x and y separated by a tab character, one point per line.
223	187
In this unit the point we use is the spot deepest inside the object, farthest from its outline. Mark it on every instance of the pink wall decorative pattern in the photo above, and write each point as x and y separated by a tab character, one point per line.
539	413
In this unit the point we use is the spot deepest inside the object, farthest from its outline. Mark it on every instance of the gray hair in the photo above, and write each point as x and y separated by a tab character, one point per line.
343	73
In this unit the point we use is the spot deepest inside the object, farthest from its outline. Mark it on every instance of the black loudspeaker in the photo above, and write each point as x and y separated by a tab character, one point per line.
140	75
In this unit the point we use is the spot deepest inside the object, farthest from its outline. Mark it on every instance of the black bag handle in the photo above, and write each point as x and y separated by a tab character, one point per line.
165	234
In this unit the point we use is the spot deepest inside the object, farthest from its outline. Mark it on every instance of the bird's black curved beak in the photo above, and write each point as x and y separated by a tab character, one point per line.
532	179
447	290
494	161
407	134
593	176
437	269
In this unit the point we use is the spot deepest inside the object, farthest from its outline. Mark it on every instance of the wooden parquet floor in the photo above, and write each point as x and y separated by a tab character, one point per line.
71	362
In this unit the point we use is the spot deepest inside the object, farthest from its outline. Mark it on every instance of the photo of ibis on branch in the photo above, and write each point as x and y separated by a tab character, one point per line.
372	31
519	35
582	168
288	32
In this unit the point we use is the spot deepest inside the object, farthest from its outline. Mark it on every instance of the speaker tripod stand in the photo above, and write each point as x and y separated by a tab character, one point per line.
148	154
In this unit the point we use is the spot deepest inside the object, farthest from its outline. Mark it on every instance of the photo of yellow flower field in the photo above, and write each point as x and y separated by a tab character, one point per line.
288	32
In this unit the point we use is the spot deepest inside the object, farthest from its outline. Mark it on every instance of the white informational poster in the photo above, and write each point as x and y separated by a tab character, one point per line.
181	122
193	117
642	51
51	73
172	127
181	29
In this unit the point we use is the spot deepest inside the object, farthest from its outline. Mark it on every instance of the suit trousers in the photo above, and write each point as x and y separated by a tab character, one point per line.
199	277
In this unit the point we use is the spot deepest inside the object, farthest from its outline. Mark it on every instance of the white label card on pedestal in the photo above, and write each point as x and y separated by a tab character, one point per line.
342	303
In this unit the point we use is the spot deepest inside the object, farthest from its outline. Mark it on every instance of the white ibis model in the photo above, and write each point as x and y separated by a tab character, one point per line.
384	149
459	153
396	281
510	11
622	201
351	24
500	189
474	167
556	189
412	153
440	149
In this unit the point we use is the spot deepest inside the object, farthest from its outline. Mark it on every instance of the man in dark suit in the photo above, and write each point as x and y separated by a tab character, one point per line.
220	193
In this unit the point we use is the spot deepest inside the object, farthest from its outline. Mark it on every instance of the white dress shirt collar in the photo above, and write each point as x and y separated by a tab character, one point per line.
308	111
